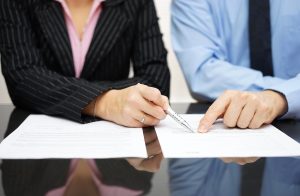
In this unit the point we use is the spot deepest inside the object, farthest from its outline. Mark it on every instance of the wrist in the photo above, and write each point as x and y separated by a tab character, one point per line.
103	104
279	101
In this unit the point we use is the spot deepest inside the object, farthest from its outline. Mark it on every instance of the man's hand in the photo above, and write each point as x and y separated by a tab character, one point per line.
240	161
152	163
244	109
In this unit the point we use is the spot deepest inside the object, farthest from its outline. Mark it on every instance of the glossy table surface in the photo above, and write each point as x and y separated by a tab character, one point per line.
182	177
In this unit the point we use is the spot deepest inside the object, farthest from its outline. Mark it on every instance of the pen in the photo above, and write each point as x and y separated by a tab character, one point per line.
179	119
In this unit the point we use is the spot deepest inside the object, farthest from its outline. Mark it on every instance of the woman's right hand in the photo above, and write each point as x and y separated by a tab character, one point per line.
135	106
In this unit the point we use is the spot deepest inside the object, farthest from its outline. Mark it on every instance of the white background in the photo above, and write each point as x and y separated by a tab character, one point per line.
179	90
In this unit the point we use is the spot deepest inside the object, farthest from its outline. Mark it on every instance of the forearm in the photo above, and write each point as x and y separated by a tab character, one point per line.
215	76
50	93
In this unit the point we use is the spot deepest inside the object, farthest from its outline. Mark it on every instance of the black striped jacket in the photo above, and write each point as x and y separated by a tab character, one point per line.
37	62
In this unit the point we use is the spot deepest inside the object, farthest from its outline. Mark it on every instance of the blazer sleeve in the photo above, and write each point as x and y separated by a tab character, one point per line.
33	86
150	55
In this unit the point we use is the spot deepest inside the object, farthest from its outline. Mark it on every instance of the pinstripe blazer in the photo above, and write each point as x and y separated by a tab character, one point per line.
37	59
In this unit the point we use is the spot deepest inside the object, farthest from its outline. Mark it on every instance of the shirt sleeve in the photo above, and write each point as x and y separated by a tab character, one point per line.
202	55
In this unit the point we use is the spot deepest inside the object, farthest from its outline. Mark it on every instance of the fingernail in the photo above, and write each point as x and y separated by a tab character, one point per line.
202	129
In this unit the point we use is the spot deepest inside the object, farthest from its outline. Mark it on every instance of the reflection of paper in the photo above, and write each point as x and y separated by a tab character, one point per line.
41	136
223	142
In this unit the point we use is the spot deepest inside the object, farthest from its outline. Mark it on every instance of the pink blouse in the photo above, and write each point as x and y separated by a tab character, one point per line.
103	189
80	47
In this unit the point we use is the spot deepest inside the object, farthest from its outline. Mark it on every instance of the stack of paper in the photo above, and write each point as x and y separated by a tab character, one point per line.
223	142
41	136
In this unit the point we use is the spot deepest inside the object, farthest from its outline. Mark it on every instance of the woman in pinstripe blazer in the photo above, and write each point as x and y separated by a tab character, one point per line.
41	73
36	57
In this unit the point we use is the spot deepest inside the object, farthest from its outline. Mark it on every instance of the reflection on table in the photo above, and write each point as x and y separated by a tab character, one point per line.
54	177
200	177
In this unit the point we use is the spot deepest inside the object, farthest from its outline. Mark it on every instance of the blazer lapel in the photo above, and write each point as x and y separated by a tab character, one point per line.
52	21
110	26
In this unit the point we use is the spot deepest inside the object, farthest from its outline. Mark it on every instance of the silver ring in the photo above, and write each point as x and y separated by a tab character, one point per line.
142	120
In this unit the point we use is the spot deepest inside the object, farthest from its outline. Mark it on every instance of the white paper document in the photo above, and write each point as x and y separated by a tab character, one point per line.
41	136
220	141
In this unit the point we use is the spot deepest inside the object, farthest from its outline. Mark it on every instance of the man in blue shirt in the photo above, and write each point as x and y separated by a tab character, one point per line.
210	39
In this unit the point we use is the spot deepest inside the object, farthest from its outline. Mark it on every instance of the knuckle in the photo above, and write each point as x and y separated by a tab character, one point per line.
244	95
126	110
131	99
134	88
263	107
156	91
156	94
228	92
138	86
253	98
231	92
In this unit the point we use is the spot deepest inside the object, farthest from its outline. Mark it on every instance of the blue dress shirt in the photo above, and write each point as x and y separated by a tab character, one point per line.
210	39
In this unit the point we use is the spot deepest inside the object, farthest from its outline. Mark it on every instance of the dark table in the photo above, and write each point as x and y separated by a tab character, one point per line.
182	177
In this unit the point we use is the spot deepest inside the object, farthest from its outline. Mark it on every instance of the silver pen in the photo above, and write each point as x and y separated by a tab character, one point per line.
179	119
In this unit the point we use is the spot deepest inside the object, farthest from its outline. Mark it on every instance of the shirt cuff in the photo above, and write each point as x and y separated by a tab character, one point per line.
292	95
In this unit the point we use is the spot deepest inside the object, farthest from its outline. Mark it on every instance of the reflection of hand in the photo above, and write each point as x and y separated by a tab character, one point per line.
151	164
240	161
245	109
135	106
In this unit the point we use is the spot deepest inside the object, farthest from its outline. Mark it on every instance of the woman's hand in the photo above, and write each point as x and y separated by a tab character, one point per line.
135	106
